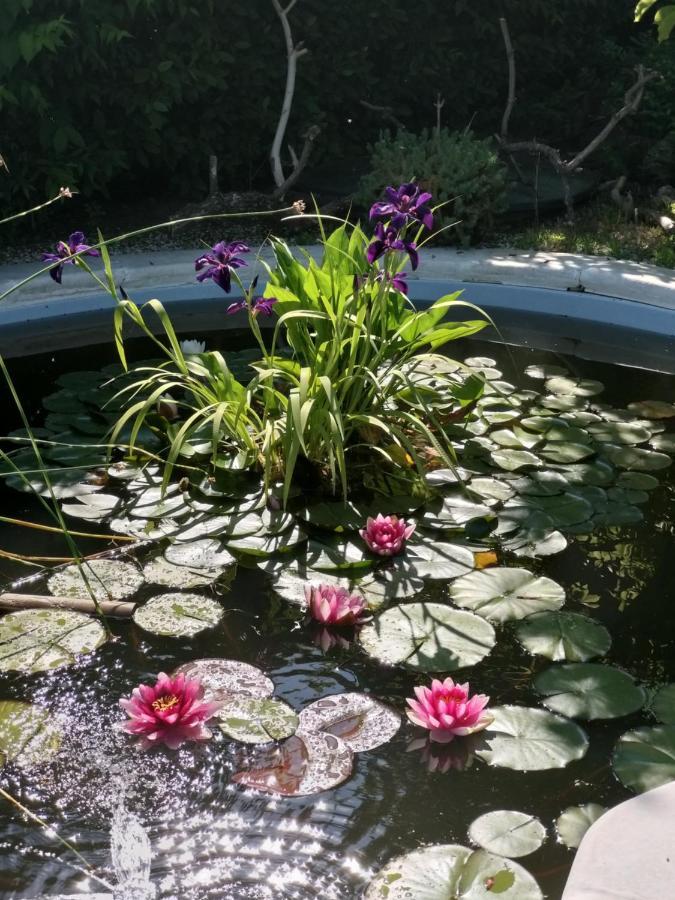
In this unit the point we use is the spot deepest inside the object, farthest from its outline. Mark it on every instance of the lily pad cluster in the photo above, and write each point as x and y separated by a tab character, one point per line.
299	754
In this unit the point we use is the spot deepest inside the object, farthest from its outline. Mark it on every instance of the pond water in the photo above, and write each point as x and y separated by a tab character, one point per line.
213	839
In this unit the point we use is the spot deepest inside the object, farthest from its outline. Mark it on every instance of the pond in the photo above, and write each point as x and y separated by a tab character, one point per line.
210	837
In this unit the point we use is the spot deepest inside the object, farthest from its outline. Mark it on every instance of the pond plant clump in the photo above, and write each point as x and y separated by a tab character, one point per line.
395	498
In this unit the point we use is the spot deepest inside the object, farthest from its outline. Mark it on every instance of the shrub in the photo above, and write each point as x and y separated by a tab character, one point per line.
460	170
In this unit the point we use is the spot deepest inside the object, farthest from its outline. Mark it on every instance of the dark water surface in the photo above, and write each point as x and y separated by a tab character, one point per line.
212	839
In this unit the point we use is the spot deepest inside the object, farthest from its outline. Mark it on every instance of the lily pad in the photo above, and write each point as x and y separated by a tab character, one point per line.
508	833
303	764
563	636
257	721
663	704
545	371
360	721
203	554
565	452
636	458
107	579
444	871
178	615
573	823
36	640
28	734
584	387
160	571
645	758
619	433
589	691
531	740
665	443
501	594
426	557
430	637
513	460
653	409
224	679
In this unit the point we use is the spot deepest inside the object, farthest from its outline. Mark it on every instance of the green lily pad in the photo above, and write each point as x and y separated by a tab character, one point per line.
515	438
430	637
619	433
37	640
665	443
589	691
563	636
491	489
645	758
545	371
28	734
255	721
545	483
636	458
337	554
178	615
637	481
107	579
94	507
653	409
597	472
565	452
360	721
159	571
530	740
574	387
513	460
427	557
452	511
225	679
207	553
663	704
508	833
573	823
261	545
444	871
501	594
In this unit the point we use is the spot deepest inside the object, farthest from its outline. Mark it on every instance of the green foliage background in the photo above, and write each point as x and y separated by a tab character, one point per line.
119	96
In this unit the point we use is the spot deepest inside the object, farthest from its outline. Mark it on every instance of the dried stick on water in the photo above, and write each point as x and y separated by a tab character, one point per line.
631	102
10	602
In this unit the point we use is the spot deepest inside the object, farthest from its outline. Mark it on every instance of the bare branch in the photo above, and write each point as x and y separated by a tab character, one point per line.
511	59
564	168
292	58
299	164
386	112
632	100
439	104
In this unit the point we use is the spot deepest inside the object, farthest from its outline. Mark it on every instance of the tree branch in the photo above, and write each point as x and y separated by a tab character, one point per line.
298	163
511	59
564	168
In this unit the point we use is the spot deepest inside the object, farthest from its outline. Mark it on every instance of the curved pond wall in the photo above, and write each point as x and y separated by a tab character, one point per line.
589	307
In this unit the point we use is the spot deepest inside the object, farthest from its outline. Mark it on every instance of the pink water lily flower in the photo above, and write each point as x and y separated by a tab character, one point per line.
386	535
171	712
333	605
447	710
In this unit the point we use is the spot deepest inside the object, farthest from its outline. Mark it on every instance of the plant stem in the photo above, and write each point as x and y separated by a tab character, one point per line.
52	832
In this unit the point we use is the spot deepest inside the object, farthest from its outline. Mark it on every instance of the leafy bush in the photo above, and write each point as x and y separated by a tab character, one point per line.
461	171
150	89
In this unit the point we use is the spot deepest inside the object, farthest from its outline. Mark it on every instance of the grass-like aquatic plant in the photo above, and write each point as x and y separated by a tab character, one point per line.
350	372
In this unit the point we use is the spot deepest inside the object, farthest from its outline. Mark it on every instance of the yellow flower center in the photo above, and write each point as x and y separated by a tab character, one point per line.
168	701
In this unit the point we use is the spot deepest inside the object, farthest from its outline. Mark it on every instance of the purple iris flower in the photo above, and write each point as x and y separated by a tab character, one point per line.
65	253
403	205
388	240
259	306
397	281
220	262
